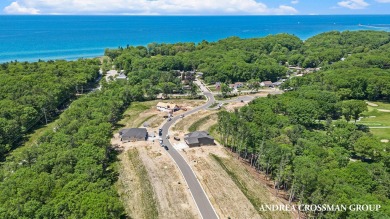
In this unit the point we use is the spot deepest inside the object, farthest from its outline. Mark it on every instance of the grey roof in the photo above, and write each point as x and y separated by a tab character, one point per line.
191	140
133	133
198	134
267	82
121	76
277	83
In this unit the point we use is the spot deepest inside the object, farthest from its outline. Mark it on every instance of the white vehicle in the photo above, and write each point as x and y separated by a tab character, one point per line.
167	136
181	116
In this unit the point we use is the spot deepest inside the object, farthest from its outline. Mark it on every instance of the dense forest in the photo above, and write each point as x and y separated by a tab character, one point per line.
364	75
234	59
68	173
293	139
32	93
306	139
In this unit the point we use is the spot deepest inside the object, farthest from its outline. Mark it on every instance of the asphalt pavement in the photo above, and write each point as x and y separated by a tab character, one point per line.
205	208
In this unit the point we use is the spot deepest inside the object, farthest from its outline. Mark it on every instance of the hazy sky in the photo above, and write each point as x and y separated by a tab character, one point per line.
195	7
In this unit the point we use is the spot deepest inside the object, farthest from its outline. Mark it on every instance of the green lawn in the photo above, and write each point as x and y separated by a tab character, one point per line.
381	105
132	113
380	119
381	133
212	88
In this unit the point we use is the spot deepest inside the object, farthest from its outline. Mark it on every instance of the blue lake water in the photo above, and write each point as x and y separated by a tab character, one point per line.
29	38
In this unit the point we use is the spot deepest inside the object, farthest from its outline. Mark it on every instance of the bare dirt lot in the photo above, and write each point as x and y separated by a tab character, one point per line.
226	197
170	192
140	113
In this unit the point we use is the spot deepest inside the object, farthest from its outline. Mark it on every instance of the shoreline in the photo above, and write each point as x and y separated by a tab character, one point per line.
100	55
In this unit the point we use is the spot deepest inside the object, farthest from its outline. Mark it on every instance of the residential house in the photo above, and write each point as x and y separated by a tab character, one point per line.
277	84
121	76
199	74
239	84
167	107
217	85
266	84
198	138
133	134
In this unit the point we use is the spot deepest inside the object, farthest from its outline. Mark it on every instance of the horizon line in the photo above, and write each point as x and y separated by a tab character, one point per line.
193	15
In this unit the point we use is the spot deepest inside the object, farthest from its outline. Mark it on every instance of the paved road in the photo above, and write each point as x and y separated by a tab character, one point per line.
203	203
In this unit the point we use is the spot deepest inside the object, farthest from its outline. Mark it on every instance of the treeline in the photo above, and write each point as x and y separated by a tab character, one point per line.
330	47
234	59
231	59
293	139
32	93
69	172
363	75
146	84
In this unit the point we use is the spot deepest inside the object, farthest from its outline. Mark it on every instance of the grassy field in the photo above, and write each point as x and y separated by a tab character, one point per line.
195	126
375	118
381	105
131	116
212	88
381	133
254	191
136	189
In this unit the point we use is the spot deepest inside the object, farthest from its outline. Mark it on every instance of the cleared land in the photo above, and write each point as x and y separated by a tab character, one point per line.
134	187
151	186
219	179
218	176
167	189
184	124
145	112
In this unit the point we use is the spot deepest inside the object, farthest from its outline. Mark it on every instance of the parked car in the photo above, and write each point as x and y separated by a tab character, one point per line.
181	116
166	147
161	142
169	119
176	138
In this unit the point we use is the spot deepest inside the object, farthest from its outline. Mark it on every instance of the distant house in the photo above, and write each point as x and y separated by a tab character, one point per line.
112	72
121	76
167	107
277	84
133	134
239	84
198	138
217	85
266	84
200	74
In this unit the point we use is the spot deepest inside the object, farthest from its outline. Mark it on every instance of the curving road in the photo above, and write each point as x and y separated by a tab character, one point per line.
205	208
